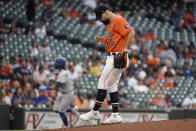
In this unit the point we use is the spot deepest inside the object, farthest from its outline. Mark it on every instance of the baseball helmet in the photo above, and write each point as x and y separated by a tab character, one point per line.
60	63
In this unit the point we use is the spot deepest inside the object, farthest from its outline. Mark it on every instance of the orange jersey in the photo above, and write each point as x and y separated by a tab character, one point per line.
116	34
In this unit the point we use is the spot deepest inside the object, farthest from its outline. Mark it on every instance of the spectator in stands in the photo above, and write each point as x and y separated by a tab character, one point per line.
84	19
187	54
101	64
44	49
40	31
35	65
77	68
69	13
174	16
49	72
14	84
149	35
144	53
80	102
167	69
169	82
26	93
160	46
64	12
141	73
48	12
192	49
170	101
22	73
180	49
85	68
94	55
130	70
17	98
43	100
188	18
179	26
168	53
28	104
189	100
138	35
158	74
123	100
39	77
73	13
29	64
13	63
73	75
2	28
4	96
46	2
91	17
170	74
151	60
34	50
33	97
136	84
159	100
5	70
94	69
30	30
185	71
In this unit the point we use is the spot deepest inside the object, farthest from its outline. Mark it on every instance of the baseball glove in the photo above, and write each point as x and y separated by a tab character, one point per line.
120	60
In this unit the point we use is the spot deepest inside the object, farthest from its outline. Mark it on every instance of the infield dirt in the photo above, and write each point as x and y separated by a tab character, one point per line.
169	125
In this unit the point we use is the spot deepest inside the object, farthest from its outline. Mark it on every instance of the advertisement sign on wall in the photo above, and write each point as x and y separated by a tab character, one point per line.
38	120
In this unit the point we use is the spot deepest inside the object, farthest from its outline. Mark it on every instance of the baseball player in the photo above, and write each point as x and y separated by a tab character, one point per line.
118	36
65	91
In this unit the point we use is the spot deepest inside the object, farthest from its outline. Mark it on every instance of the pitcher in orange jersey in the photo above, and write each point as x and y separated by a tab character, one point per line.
118	36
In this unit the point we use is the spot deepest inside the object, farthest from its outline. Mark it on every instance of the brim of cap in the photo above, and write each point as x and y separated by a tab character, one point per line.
98	16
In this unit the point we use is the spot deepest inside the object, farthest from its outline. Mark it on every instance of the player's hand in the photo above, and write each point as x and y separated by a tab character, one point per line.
98	38
123	50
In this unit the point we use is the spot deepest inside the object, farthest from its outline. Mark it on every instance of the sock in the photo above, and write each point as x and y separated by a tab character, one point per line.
64	118
101	94
114	97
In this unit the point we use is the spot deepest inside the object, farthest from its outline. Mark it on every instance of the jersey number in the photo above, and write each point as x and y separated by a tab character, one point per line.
110	42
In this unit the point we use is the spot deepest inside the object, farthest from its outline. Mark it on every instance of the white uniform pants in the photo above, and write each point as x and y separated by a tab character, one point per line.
63	102
110	76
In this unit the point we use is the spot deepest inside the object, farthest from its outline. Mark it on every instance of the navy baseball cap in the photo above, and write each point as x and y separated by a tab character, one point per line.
100	10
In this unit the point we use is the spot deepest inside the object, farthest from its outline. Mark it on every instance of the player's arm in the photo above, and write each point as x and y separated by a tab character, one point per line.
129	40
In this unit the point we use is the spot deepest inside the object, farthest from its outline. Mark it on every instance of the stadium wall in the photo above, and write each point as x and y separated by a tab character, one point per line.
18	118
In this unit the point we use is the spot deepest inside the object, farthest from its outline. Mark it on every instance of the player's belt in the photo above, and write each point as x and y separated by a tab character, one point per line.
113	53
65	92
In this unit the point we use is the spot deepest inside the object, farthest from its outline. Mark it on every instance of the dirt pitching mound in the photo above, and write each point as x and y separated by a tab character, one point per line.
169	125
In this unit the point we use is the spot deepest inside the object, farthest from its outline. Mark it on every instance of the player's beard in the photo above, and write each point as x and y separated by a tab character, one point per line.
106	21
